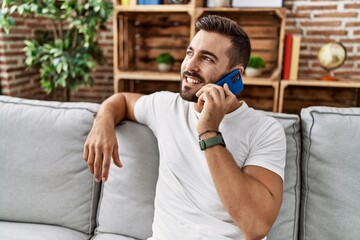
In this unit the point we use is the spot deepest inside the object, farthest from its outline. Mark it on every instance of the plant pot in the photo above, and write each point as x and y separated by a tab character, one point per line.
253	72
164	67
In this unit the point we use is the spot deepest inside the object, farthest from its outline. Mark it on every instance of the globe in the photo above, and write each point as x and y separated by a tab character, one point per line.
331	56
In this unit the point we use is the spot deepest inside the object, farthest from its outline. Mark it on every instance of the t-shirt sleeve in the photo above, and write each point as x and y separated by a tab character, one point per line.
151	109
269	148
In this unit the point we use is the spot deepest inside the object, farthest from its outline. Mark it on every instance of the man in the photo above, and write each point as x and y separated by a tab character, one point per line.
220	192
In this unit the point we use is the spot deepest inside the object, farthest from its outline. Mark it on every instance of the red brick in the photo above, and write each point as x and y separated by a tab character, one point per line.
321	24
353	24
298	15
17	31
291	23
17	45
8	62
316	7
327	32
352	6
351	40
337	15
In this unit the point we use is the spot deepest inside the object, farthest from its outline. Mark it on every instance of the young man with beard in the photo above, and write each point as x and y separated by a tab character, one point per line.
222	192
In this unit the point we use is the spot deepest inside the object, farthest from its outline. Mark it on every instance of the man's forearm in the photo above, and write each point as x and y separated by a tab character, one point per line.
113	110
252	206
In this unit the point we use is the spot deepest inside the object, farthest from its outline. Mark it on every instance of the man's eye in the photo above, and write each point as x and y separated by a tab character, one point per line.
206	58
189	53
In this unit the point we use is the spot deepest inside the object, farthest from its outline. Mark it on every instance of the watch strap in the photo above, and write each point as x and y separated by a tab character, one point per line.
212	141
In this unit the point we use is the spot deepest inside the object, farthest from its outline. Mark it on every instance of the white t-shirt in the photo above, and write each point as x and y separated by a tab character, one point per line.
187	205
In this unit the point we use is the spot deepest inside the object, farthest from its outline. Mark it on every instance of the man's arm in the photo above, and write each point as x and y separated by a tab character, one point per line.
101	143
251	195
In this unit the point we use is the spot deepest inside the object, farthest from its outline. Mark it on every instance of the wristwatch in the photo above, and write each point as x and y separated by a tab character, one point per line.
212	141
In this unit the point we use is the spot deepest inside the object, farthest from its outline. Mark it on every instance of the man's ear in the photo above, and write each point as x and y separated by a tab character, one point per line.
241	69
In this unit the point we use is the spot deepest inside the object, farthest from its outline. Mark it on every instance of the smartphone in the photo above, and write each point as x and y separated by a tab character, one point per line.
234	81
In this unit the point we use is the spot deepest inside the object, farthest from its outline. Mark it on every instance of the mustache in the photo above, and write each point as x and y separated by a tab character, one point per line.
193	74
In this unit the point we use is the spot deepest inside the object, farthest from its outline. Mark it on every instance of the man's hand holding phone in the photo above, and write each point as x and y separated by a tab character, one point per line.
216	100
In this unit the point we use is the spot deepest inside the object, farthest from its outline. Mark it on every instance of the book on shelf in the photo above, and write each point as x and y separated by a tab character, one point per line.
291	57
287	56
149	2
128	2
295	55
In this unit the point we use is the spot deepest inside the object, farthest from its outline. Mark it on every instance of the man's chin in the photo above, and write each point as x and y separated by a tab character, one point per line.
187	95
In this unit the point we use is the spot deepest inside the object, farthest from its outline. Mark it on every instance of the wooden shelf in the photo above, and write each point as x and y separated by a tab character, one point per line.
155	8
141	32
341	83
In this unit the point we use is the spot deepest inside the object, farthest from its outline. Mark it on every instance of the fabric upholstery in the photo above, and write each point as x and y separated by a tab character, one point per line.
286	225
111	236
330	196
127	200
43	177
30	231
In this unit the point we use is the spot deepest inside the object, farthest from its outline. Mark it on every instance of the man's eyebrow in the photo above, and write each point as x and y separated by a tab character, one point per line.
209	53
205	52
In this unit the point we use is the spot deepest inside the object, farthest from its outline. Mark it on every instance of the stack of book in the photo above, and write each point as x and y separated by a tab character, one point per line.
291	57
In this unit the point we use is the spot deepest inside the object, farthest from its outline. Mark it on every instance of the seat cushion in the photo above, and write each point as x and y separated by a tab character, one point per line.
330	196
286	224
111	236
127	198
43	177
30	231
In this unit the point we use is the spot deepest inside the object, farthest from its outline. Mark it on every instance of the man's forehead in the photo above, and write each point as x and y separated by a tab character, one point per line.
210	41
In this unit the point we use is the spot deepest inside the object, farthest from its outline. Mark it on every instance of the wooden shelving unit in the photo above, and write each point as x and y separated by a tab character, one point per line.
341	83
141	32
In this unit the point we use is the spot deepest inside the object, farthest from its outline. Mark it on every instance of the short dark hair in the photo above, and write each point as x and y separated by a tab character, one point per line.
240	51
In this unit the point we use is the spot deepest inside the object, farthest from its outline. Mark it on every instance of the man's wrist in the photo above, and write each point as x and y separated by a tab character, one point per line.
207	134
208	142
104	120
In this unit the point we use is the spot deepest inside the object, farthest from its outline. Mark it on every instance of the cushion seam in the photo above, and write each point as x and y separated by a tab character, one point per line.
47	106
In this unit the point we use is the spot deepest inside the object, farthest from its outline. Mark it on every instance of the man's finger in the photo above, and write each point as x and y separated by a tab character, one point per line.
116	157
105	166
97	166
90	160
86	152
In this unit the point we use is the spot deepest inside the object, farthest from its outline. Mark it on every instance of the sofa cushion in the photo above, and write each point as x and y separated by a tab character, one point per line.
286	224
43	177
111	236
30	231
127	201
330	196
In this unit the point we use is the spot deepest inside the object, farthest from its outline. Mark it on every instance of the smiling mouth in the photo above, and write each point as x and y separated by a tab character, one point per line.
192	80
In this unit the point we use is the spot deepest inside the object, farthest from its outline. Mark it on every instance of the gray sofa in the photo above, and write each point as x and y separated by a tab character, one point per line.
47	192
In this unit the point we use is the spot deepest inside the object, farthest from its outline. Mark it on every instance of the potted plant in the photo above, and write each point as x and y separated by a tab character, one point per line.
165	61
67	54
255	66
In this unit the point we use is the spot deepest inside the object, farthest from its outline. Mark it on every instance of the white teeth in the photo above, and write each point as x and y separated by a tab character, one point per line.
192	81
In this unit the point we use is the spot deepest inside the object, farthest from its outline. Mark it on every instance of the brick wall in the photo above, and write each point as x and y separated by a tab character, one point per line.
17	80
317	21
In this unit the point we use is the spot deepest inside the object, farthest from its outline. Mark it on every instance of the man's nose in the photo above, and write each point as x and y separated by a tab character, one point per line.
192	64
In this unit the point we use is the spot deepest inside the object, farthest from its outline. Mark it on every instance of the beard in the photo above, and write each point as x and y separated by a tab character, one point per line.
187	93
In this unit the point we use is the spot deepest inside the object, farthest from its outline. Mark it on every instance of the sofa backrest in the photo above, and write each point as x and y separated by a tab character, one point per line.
126	204
287	222
43	177
330	195
127	199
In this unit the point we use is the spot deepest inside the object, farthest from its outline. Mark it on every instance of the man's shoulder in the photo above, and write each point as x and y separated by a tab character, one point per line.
163	95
